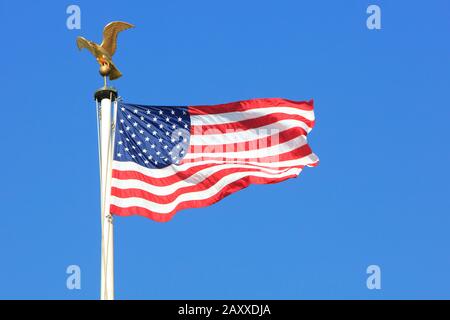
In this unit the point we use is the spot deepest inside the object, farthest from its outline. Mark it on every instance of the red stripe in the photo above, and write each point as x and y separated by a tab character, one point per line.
160	182
207	183
226	191
182	175
260	143
250	104
248	124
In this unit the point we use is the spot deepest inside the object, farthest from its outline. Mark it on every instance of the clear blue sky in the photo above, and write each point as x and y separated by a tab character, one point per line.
379	196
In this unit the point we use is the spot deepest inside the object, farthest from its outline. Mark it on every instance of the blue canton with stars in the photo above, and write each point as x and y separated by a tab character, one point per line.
151	136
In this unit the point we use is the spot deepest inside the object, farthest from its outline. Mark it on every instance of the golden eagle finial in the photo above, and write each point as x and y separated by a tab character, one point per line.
104	52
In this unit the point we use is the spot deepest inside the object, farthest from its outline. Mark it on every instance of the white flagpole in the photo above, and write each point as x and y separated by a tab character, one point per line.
106	116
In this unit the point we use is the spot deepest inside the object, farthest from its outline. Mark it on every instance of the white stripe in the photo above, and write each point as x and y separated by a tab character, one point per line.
220	118
193	180
197	138
249	154
174	169
273	136
199	195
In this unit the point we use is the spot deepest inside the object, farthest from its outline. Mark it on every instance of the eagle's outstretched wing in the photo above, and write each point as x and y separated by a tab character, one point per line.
110	35
83	43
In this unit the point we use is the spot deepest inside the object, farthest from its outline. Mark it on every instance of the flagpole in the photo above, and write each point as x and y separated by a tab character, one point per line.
106	100
106	109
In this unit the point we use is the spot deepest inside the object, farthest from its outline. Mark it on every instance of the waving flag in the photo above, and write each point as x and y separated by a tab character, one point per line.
172	158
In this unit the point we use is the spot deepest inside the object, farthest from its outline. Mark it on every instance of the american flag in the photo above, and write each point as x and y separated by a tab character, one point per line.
172	158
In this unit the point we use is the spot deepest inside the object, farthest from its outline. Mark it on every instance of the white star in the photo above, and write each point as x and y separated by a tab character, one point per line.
121	131
179	119
160	140
135	124
133	156
144	151
122	121
146	161
172	140
126	149
172	112
148	125
178	146
182	151
120	142
152	146
127	128
139	143
133	147
123	109
119	154
174	126
141	131
129	116
148	111
165	147
156	162
154	133
155	119
140	154
161	126
150	157
160	112
142	118
180	133
167	119
186	126
135	111
158	153
167	133
133	135
147	139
